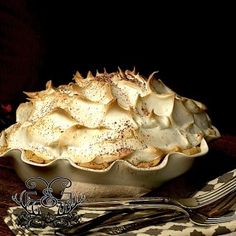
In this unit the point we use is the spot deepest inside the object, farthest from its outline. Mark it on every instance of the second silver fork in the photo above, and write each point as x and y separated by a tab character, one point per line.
186	203
158	213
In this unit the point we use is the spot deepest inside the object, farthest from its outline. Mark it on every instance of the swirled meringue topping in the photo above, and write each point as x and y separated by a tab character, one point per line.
96	120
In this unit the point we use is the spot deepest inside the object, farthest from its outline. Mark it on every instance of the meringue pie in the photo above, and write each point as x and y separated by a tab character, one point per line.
97	120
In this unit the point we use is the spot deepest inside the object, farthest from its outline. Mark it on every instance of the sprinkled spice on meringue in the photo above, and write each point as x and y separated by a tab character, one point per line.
97	120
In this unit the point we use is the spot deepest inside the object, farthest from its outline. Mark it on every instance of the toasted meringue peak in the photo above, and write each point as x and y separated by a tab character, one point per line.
105	71
96	120
77	77
35	95
90	75
122	73
134	70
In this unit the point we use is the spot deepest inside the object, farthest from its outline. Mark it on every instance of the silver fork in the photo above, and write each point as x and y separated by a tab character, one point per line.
152	206
195	217
186	203
158	213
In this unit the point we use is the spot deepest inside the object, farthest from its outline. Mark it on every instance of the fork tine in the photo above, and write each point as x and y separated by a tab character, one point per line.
219	192
199	219
222	219
217	196
222	206
231	183
219	208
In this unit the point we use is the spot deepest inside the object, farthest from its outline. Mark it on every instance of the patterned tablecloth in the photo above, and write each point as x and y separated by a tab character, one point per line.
176	228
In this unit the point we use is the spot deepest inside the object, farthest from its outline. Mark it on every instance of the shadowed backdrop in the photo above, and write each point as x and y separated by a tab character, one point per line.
192	47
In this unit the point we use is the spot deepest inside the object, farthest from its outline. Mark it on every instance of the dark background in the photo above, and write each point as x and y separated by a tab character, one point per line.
192	47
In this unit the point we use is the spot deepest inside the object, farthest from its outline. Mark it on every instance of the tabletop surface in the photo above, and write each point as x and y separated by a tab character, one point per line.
221	158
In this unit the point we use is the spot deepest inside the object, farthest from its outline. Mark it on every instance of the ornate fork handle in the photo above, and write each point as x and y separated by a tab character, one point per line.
113	204
94	223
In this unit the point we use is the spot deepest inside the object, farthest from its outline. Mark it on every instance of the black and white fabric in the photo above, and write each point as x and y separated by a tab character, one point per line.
181	227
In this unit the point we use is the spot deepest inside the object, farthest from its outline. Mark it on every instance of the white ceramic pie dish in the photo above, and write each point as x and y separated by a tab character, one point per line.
119	179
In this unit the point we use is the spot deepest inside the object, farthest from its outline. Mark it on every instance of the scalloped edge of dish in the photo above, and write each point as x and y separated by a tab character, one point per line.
119	179
203	147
